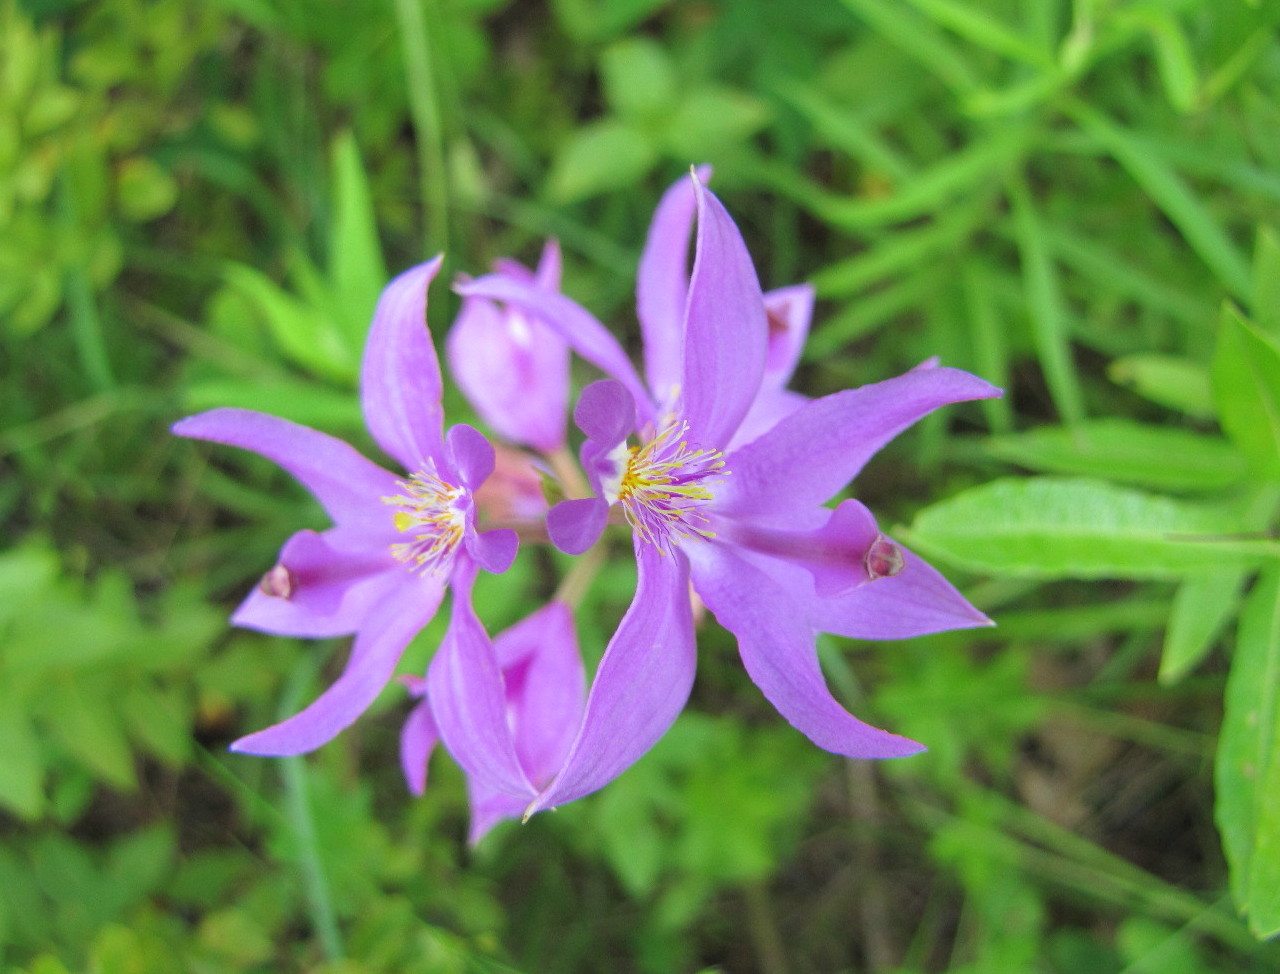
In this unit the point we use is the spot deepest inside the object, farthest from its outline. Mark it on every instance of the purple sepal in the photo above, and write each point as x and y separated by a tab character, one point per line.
642	683
374	655
400	374
777	646
418	739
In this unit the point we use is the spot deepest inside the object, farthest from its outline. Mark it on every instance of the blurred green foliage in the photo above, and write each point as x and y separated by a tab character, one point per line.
1078	199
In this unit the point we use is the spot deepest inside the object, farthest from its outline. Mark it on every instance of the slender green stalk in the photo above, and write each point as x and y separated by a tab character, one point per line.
86	324
424	108
302	824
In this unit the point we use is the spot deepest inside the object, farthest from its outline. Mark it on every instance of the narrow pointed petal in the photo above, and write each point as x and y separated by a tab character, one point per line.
778	649
322	585
789	311
578	327
348	486
418	739
770	408
915	602
374	655
546	687
470	455
495	550
465	687
514	369
725	330
575	525
641	686
662	288
812	454
834	553
488	808
549	266
400	375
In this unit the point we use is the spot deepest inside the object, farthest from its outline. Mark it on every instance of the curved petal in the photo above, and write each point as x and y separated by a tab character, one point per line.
470	455
545	685
322	585
835	553
574	526
813	453
662	288
396	619
777	647
465	687
495	550
788	311
418	738
724	327
578	327
514	370
400	375
770	408
549	266
641	686
488	808
915	602
348	486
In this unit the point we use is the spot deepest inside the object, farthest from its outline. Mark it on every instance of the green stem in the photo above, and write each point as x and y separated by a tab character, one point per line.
301	822
424	108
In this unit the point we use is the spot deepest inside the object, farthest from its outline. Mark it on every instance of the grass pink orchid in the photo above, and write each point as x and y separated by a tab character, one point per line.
397	544
725	490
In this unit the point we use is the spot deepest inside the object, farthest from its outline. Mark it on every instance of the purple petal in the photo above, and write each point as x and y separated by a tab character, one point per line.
322	585
545	686
374	655
400	375
470	455
418	739
348	486
818	449
770	408
583	333
662	287
488	808
549	266
465	687
725	330
642	683
606	412
777	647
514	370
574	526
915	602
789	311
495	550
834	554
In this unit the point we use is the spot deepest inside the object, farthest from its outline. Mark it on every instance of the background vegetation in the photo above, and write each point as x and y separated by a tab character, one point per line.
1077	199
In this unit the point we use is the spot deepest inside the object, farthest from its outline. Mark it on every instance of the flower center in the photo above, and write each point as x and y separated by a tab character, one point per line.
434	514
664	485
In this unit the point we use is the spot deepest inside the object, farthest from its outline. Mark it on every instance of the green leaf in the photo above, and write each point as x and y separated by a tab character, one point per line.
1177	383
710	119
601	156
1247	770
22	768
1074	528
1159	457
1266	282
303	333
356	264
1202	607
639	82
1246	387
1145	164
1175	61
1045	305
85	724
